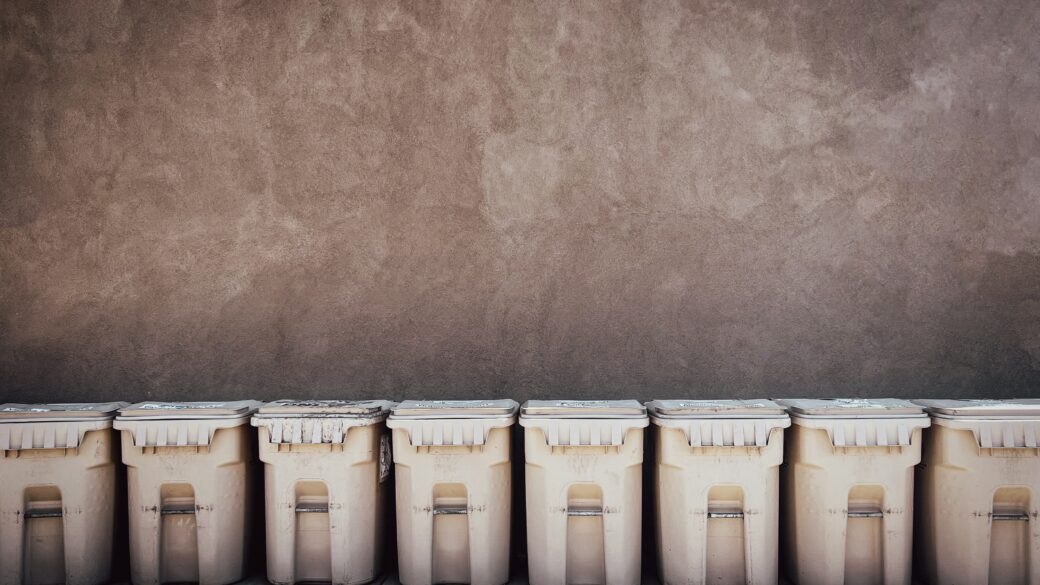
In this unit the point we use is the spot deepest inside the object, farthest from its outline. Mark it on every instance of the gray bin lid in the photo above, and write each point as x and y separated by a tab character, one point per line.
852	407
976	408
324	408
12	412
190	410
436	409
583	409
759	408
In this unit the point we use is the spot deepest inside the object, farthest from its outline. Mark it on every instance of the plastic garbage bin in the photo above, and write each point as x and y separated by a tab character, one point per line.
718	483
327	463
454	490
190	480
849	489
584	491
57	492
979	492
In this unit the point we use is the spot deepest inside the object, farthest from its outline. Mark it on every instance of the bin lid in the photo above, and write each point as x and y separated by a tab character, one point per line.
583	409
12	412
193	410
324	408
435	409
976	408
852	407
758	408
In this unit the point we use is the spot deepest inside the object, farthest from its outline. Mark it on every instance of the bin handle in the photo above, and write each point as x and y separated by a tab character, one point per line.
1019	517
725	514
43	513
584	512
866	514
450	510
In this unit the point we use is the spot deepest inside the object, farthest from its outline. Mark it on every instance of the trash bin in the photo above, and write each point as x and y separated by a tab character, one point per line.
57	492
718	482
454	490
190	479
849	490
979	492
326	466
584	491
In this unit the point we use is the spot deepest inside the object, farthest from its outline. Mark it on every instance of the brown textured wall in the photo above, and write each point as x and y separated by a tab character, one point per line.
209	200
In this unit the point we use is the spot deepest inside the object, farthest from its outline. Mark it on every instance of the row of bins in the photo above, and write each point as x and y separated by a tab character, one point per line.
843	484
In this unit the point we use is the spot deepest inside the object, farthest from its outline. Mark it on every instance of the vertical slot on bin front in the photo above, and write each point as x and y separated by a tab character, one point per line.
586	563
864	553
313	537
451	562
179	534
44	536
1009	537
725	563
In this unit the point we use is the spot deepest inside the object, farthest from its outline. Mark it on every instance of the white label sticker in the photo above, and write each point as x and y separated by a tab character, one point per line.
385	458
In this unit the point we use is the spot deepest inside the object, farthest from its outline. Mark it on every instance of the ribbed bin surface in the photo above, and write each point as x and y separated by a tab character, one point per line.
57	492
584	491
454	490
717	481
326	478
190	490
849	479
979	492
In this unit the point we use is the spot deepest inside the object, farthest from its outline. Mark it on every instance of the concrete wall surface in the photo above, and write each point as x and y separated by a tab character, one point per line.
209	200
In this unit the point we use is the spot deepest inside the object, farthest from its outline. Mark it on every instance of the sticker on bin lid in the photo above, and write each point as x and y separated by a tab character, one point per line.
65	411
982	408
177	410
341	408
583	409
455	408
759	408
852	407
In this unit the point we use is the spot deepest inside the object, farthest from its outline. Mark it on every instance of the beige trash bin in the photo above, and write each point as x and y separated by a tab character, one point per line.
849	490
57	493
454	490
327	465
718	482
190	479
584	491
979	493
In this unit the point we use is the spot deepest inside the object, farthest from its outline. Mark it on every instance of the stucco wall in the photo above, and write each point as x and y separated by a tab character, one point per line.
268	199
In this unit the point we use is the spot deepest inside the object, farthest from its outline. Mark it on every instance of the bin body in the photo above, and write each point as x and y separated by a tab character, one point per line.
584	464
717	483
454	490
979	485
326	475
58	469
189	485
849	489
